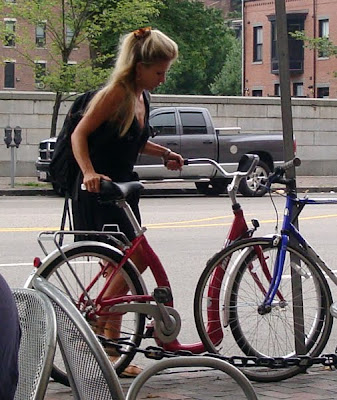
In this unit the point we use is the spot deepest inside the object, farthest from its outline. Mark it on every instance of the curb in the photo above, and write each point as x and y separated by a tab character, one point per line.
145	193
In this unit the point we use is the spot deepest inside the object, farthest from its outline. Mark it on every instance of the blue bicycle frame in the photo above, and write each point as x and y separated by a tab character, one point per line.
293	208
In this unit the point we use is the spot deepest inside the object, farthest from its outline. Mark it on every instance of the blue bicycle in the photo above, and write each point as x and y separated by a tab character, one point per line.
276	300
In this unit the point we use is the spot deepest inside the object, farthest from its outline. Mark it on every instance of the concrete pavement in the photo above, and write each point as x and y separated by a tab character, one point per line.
318	383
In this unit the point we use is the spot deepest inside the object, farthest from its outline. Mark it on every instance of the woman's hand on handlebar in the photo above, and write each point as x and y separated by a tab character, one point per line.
92	181
174	161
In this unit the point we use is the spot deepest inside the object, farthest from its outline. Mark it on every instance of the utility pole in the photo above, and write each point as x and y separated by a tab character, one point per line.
288	150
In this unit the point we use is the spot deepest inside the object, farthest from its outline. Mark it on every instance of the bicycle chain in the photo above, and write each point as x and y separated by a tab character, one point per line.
158	353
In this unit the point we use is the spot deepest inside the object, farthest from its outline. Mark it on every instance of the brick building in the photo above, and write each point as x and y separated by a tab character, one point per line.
225	5
311	71
16	73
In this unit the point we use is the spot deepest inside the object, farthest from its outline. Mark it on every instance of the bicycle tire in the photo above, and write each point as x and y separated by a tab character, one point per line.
243	319
85	259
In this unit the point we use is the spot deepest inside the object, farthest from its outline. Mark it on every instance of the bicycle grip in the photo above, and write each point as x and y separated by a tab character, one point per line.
295	162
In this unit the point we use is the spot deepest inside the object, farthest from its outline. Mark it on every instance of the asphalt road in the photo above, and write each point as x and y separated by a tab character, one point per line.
185	232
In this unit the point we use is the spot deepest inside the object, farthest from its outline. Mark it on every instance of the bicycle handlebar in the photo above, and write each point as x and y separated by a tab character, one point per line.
246	165
278	175
295	162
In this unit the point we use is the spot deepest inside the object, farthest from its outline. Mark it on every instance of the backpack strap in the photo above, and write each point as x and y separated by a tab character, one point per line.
65	215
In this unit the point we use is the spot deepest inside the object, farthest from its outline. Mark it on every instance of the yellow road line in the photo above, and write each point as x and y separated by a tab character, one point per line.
194	223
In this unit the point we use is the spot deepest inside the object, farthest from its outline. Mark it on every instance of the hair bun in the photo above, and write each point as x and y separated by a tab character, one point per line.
142	33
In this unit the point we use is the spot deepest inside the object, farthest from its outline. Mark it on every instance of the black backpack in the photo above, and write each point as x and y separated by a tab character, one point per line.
63	168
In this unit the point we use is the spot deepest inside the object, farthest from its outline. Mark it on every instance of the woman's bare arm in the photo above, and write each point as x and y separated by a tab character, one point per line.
172	160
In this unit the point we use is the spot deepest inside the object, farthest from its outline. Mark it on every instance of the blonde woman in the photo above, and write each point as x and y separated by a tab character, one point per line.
114	130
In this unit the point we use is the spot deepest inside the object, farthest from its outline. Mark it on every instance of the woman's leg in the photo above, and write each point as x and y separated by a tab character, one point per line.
118	287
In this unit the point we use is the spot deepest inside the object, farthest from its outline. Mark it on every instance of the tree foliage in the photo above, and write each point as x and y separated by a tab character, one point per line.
87	21
228	81
204	42
322	44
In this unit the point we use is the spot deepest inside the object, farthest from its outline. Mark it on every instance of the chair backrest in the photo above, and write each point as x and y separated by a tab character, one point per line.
90	372
38	341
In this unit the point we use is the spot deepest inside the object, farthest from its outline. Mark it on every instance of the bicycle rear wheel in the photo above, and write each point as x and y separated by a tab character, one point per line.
241	292
85	259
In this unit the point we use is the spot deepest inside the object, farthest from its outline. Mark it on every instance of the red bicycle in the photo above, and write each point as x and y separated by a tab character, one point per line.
107	288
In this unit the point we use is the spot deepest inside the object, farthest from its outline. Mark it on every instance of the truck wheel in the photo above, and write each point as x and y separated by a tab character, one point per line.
250	187
219	185
213	187
202	187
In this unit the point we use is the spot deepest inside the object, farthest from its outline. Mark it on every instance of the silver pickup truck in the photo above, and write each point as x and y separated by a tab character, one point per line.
190	131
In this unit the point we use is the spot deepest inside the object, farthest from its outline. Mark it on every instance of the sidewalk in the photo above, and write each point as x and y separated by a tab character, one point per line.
29	186
317	384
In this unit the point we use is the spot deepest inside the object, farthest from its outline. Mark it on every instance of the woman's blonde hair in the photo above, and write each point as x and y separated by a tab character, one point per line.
145	45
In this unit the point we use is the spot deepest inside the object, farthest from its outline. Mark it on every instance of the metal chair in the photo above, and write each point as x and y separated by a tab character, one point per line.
38	342
90	372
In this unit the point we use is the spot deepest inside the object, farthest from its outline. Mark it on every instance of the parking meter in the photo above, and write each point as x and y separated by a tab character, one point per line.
8	136
17	136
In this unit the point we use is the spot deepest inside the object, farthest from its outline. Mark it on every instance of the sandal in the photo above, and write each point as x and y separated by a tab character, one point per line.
131	371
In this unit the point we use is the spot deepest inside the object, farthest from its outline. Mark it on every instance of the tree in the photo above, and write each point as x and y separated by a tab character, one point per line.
204	42
228	82
322	44
68	25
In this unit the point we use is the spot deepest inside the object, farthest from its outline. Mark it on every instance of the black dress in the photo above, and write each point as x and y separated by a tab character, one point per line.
115	157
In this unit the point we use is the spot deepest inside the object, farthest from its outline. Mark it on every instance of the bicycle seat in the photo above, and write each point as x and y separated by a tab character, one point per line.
118	190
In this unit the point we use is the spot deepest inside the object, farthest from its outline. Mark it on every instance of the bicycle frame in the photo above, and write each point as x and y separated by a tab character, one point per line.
289	232
238	230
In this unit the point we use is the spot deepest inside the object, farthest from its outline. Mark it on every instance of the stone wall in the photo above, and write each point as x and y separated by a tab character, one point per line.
314	122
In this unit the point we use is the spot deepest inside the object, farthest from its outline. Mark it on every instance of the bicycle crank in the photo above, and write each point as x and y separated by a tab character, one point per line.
167	321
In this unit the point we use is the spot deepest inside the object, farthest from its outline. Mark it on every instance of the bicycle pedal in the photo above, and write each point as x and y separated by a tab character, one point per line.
162	294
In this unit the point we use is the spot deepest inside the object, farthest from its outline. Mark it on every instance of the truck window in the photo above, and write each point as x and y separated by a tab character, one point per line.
164	124
193	123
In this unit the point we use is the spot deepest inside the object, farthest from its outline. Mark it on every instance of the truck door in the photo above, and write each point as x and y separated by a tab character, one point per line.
164	125
198	140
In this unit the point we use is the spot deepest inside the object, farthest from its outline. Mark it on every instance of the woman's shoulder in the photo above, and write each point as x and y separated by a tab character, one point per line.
108	99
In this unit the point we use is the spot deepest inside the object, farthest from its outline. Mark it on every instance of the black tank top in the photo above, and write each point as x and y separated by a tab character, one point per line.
116	156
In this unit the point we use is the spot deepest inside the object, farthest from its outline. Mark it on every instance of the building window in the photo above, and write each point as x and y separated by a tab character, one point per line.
298	89
72	70
40	72
277	91
258	44
69	35
323	34
323	92
40	34
295	22
9	75
10	33
257	93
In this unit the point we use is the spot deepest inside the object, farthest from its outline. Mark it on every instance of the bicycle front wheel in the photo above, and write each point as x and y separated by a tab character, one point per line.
235	302
82	268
